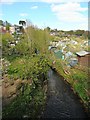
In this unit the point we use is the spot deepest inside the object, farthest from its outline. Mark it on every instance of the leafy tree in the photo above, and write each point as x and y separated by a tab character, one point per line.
6	40
79	32
23	47
71	32
48	29
22	22
1	22
38	39
8	25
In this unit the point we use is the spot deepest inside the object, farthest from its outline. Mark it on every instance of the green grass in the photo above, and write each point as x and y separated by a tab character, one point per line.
80	79
77	78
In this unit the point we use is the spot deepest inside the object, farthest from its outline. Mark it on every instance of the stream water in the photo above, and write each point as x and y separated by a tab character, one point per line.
61	101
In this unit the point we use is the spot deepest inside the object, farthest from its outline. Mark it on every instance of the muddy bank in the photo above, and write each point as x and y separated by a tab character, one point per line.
62	102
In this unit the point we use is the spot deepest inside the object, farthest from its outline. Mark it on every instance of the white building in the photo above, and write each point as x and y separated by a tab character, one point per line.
12	29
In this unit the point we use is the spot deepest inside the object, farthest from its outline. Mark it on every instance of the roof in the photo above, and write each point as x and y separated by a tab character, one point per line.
82	53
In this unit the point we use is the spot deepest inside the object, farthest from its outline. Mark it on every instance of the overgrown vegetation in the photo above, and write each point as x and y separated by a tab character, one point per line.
26	60
26	57
29	67
78	78
26	105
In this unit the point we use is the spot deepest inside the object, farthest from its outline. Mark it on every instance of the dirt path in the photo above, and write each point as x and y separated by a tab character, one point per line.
62	102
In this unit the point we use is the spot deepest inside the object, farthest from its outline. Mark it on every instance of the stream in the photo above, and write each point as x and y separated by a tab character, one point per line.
61	101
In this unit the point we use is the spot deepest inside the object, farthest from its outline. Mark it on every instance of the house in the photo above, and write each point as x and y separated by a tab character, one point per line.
12	29
3	30
83	58
82	53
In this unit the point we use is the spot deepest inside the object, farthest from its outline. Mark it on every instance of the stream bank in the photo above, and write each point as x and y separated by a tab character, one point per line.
61	101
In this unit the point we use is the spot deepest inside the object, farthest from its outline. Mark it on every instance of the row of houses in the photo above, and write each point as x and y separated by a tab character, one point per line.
17	29
12	29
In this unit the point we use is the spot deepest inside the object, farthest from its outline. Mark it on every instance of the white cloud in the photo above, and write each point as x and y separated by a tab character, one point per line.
70	13
51	1
68	7
47	1
7	1
23	14
59	1
34	7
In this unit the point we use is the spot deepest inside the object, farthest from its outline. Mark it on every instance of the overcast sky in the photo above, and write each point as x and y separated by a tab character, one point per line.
53	13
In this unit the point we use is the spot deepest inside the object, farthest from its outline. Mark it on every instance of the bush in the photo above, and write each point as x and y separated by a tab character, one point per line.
31	101
29	104
29	67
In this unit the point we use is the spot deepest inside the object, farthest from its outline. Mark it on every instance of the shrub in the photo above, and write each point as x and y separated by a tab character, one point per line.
29	67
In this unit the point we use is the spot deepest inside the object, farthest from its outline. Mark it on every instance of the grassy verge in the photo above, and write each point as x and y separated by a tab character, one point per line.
78	79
